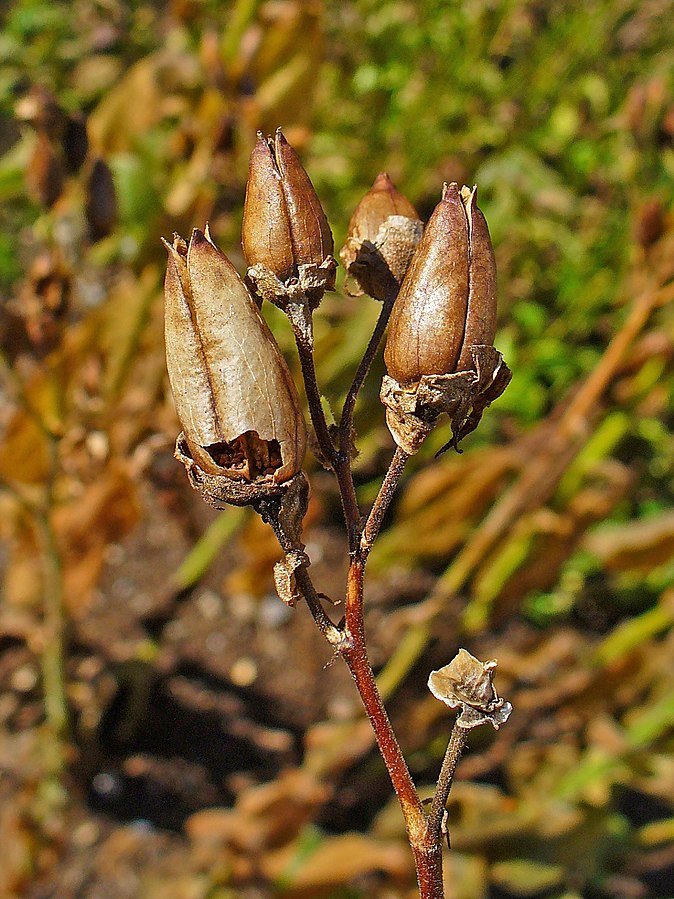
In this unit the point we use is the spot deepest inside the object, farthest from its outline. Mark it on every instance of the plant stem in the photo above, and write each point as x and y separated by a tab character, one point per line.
355	655
457	741
339	462
383	501
346	421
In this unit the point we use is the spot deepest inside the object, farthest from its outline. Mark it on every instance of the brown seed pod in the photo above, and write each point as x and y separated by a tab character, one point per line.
45	175
233	392
384	231
284	225
481	313
101	203
427	323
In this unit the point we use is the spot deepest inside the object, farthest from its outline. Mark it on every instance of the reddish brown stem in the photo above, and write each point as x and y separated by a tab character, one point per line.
383	501
427	852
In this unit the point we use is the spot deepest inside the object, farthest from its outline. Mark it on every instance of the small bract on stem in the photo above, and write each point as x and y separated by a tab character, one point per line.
244	436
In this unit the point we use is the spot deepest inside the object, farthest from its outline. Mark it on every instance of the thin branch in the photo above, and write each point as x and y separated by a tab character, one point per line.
338	461
332	633
383	501
346	421
457	741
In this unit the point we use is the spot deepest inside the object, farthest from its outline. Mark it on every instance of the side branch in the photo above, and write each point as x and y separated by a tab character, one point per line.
383	501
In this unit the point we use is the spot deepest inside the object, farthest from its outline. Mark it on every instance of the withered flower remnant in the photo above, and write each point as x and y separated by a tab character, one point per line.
383	233
284	227
468	684
439	352
233	392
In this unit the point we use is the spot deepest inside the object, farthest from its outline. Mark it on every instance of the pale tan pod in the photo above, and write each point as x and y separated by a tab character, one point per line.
265	231
226	371
481	314
427	322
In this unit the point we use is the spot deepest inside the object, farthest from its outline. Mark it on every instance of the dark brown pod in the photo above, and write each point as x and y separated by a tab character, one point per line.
101	202
75	143
481	313
265	232
427	323
284	225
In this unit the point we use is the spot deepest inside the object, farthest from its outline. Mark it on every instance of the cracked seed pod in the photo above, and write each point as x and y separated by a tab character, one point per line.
384	231
233	392
284	225
439	351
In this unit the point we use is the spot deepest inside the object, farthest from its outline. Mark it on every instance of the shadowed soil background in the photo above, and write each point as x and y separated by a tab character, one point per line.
168	728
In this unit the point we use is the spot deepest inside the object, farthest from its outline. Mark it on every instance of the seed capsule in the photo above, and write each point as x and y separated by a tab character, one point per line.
447	301
233	392
381	201
384	231
284	225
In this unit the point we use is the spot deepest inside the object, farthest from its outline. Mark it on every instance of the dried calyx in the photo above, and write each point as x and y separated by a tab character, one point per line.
468	684
439	352
233	392
383	233
286	237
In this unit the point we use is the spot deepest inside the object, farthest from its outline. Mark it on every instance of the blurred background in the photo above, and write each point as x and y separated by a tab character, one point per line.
167	727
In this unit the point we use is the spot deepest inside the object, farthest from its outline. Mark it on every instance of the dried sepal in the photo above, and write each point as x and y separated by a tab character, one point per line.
284	577
220	491
233	391
383	234
412	412
468	684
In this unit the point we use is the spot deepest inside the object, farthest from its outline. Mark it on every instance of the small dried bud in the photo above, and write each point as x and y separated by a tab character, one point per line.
45	175
233	391
467	683
284	225
384	231
75	143
439	352
101	203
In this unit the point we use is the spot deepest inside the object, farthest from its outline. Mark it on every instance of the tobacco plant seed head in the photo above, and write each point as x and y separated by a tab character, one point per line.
233	392
384	231
284	225
381	201
447	301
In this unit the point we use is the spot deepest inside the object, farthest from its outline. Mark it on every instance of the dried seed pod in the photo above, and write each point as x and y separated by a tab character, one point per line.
481	313
381	201
75	143
428	320
45	175
234	395
284	225
439	352
101	203
384	231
